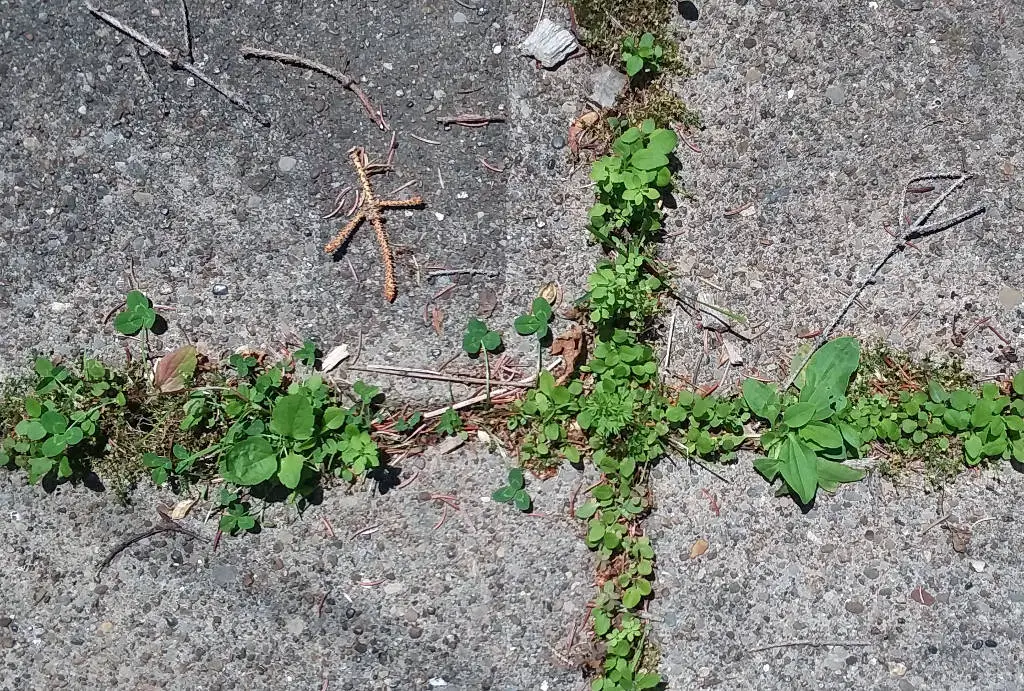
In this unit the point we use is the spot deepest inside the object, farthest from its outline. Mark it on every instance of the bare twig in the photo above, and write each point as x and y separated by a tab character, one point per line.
941	519
176	63
471	272
188	31
167	526
813	644
668	347
423	139
434	375
470	120
371	209
916	230
494	394
340	77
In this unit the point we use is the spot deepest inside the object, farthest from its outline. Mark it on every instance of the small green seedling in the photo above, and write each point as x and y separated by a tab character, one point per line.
449	423
138	314
536	321
478	337
307	353
236	517
642	56
515	491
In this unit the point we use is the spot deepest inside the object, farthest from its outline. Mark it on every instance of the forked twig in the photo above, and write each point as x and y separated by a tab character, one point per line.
175	62
340	77
916	230
370	209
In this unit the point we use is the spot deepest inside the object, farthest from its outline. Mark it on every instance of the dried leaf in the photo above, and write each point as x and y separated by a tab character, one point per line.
572	347
960	537
173	369
437	319
699	548
335	357
922	596
486	302
450	444
182	508
552	293
579	127
730	354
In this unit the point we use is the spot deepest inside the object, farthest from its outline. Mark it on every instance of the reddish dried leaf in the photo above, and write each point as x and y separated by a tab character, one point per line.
437	319
173	369
922	596
571	345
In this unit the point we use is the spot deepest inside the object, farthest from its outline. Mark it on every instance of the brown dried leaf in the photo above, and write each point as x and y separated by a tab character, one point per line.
437	319
486	302
335	357
173	369
579	126
182	508
571	345
699	548
922	596
552	293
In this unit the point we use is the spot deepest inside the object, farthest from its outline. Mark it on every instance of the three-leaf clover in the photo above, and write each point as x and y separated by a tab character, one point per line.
478	337
307	353
138	314
537	321
514	492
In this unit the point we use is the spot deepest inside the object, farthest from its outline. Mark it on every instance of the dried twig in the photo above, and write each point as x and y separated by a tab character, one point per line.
813	644
916	230
454	272
470	120
175	62
422	139
188	31
340	77
371	208
434	375
167	526
494	394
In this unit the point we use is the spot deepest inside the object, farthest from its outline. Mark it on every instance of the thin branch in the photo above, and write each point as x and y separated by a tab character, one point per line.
340	77
916	230
188	31
813	644
175	63
454	272
494	394
434	375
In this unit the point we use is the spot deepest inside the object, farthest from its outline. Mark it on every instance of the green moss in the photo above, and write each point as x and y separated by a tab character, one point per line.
657	102
604	23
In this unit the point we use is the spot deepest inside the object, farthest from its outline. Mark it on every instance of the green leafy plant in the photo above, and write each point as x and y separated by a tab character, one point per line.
307	353
478	337
449	423
807	440
630	183
138	314
642	56
515	491
621	292
546	413
536	321
60	426
235	514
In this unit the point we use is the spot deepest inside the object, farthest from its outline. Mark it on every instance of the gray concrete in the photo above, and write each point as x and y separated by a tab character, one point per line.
108	175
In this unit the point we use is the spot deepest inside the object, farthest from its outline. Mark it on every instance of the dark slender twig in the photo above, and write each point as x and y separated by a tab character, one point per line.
166	527
188	31
340	77
175	62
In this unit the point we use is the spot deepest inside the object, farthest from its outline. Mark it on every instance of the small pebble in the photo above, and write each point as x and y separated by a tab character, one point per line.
558	142
990	643
977	645
286	164
460	18
749	42
497	49
753	75
220	289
